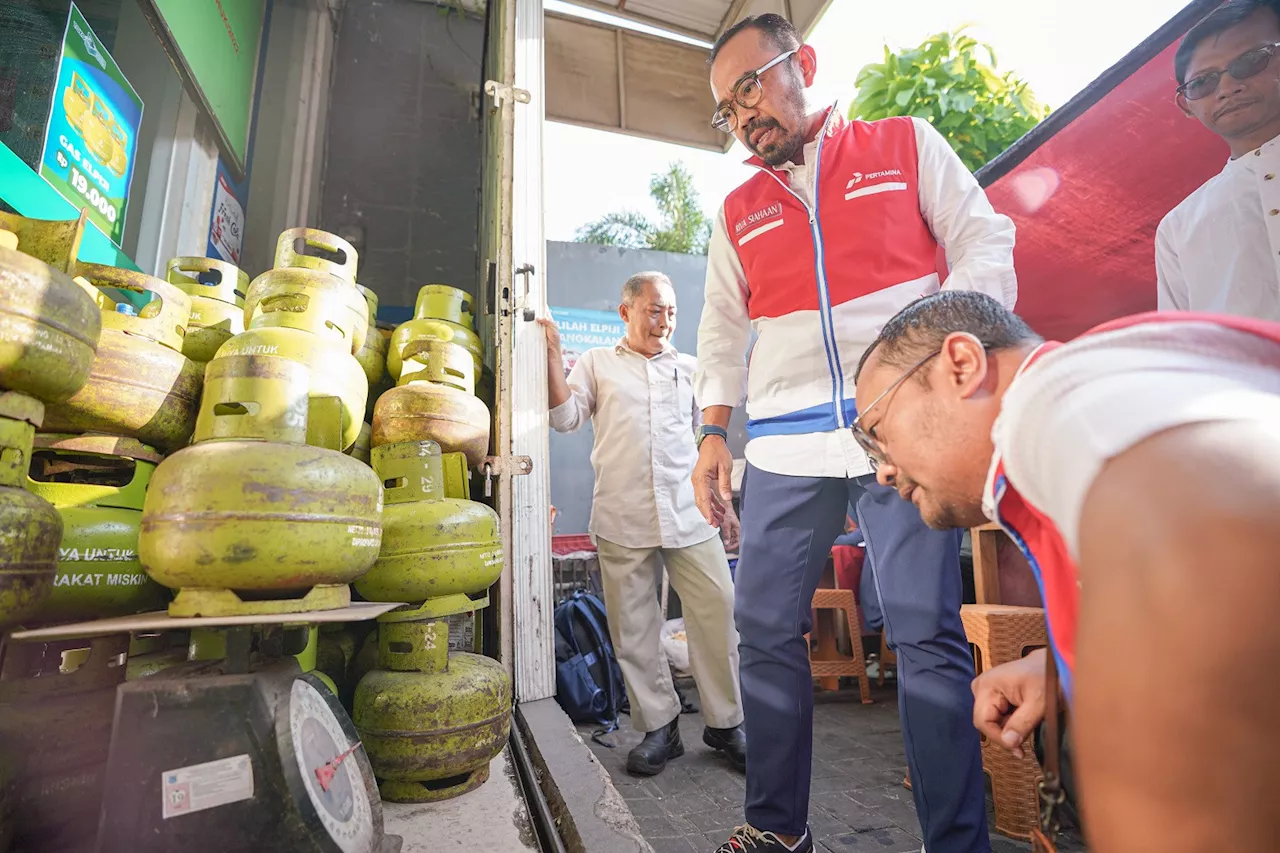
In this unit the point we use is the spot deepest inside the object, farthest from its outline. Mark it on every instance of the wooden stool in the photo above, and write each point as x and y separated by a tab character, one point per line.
1002	634
825	661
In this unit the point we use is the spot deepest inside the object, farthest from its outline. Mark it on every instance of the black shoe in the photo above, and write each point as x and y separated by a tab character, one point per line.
732	742
748	839
651	755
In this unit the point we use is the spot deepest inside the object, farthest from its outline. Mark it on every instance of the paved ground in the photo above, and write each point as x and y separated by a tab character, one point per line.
492	817
858	803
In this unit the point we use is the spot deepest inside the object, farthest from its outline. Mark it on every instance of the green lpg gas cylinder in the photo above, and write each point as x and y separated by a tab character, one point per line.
141	385
49	325
432	545
311	293
442	302
30	528
360	450
434	400
97	483
412	336
56	706
441	314
217	291
301	314
373	355
257	514
430	720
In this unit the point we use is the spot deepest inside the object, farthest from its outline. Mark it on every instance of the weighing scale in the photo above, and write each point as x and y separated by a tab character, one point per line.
231	755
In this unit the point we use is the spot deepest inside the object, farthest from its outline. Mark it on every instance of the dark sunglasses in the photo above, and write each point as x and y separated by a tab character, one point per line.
1241	68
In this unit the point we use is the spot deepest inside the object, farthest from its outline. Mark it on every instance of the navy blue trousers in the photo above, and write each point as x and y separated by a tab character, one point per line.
788	527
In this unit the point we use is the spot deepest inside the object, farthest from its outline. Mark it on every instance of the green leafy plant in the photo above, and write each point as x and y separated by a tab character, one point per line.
951	82
684	227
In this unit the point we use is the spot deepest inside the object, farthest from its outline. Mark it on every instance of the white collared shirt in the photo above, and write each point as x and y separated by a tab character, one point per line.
1219	250
644	416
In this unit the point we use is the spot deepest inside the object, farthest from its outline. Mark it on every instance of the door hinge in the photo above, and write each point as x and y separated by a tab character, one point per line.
496	466
501	91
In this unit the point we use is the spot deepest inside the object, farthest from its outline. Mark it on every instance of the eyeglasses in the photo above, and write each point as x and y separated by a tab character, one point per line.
875	453
1242	67
746	94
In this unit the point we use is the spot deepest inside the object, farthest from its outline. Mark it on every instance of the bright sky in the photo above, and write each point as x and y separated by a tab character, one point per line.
1059	48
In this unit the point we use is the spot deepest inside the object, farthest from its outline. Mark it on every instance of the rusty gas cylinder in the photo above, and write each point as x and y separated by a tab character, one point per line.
435	400
141	385
430	720
30	528
49	324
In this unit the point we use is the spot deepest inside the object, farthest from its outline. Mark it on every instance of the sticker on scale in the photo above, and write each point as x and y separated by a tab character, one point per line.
206	786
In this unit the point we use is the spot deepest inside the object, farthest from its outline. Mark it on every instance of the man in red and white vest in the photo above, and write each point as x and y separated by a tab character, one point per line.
839	229
1138	469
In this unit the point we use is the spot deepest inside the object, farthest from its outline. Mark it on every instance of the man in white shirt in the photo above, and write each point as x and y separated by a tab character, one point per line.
840	227
1219	250
1083	452
638	396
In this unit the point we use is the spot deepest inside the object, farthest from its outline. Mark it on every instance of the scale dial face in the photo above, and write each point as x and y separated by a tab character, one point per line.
318	740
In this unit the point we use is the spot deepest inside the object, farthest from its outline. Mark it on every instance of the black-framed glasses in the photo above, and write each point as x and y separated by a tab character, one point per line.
746	94
1242	67
875	453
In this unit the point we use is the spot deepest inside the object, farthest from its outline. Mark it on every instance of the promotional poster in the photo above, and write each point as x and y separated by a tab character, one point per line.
92	136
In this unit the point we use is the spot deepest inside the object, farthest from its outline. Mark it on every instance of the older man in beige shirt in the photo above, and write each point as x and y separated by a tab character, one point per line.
638	396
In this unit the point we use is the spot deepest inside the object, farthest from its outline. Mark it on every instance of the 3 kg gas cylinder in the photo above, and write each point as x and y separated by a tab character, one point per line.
97	483
373	355
432	545
430	720
308	310
49	325
30	528
255	520
435	400
217	292
141	385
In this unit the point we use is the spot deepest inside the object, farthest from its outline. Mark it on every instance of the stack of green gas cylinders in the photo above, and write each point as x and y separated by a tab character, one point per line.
264	512
430	718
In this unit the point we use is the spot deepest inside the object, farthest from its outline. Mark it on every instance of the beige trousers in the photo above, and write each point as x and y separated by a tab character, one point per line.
700	575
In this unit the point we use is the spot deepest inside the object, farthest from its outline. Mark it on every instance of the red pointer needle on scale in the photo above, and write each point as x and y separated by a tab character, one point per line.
326	772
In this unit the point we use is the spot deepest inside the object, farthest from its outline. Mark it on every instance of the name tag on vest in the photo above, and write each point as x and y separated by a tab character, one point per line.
760	222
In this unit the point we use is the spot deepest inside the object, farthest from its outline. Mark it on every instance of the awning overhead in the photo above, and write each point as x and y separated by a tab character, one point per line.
1089	185
611	78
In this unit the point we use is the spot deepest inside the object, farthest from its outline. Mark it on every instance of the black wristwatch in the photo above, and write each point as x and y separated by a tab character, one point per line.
706	430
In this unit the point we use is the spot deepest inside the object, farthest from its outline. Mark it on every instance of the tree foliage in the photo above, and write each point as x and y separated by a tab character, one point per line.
951	81
683	227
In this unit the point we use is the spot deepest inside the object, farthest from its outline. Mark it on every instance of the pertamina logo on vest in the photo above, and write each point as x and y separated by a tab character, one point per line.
874	182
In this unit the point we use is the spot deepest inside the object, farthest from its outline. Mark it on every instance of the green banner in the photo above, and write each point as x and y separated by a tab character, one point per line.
92	135
216	44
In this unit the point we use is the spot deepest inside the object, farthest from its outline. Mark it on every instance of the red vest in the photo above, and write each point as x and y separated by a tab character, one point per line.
808	268
867	232
1037	536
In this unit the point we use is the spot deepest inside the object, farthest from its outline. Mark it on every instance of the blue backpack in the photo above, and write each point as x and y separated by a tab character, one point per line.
589	683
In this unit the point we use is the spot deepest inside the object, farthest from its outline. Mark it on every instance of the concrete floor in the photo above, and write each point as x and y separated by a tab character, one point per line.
857	800
491	818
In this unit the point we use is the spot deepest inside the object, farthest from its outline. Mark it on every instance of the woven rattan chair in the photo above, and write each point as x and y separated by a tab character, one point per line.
1001	634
